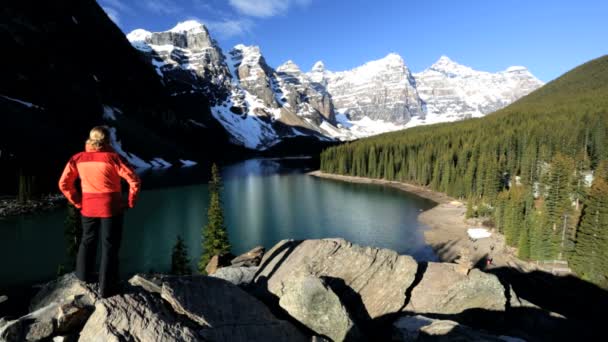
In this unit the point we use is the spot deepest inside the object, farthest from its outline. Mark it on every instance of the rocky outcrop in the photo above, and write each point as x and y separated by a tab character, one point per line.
136	316
62	290
241	276
378	278
317	289
444	290
250	258
420	328
61	307
314	304
225	312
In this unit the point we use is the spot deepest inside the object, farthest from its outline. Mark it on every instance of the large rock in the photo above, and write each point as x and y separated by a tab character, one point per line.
218	261
3	299
136	317
420	328
63	290
375	280
225	312
48	321
444	290
251	258
312	303
241	276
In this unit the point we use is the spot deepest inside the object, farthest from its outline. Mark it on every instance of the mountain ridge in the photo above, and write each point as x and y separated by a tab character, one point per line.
285	102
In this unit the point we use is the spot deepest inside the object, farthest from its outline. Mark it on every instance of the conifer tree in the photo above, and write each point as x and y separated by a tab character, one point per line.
180	263
215	235
591	256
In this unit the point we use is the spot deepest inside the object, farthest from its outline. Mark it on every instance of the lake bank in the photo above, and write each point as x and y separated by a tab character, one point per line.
447	233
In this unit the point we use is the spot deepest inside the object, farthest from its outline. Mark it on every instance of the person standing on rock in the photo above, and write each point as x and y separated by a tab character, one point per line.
100	202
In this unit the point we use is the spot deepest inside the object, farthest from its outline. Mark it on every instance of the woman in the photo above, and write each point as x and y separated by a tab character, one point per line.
100	202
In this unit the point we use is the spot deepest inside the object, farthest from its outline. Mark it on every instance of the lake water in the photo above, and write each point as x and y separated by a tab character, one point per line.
264	201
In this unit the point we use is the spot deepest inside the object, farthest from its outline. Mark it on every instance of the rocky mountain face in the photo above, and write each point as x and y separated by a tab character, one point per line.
311	290
380	90
258	105
261	106
451	91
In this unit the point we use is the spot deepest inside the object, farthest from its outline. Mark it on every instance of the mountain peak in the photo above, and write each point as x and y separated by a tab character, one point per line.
190	26
447	66
138	35
393	58
318	67
289	66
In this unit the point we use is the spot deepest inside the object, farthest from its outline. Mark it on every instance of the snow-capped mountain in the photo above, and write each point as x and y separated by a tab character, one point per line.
260	106
380	90
452	91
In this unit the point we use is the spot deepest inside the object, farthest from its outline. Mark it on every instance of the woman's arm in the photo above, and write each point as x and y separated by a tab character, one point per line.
67	186
125	171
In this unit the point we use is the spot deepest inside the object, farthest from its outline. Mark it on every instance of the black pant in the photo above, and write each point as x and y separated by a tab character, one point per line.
111	236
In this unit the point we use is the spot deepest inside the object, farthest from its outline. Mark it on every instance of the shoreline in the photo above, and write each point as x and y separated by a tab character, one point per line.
447	226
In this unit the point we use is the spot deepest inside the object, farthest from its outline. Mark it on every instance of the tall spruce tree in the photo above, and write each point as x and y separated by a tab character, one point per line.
180	263
215	235
591	257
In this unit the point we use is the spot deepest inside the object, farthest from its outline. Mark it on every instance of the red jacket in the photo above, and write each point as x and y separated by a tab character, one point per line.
100	172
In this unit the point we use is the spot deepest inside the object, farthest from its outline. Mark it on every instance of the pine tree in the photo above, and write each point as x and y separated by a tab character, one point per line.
215	235
591	257
180	263
73	234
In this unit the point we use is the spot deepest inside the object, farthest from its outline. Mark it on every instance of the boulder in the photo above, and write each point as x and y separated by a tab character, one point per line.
444	290
241	276
136	317
63	290
55	318
34	326
3	299
420	328
373	281
311	302
251	258
226	312
147	283
218	261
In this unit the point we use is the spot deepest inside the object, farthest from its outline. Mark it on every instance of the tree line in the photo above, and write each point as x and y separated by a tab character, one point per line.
528	167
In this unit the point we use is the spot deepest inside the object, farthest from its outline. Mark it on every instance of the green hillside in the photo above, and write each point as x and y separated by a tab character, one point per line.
524	166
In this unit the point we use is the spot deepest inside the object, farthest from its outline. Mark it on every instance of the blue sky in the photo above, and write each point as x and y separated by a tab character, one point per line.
548	37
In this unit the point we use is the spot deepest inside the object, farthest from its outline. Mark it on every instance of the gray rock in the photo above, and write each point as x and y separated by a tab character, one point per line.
443	290
40	330
136	317
33	326
146	283
62	290
312	303
71	317
376	278
226	312
237	275
3	299
420	328
251	258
